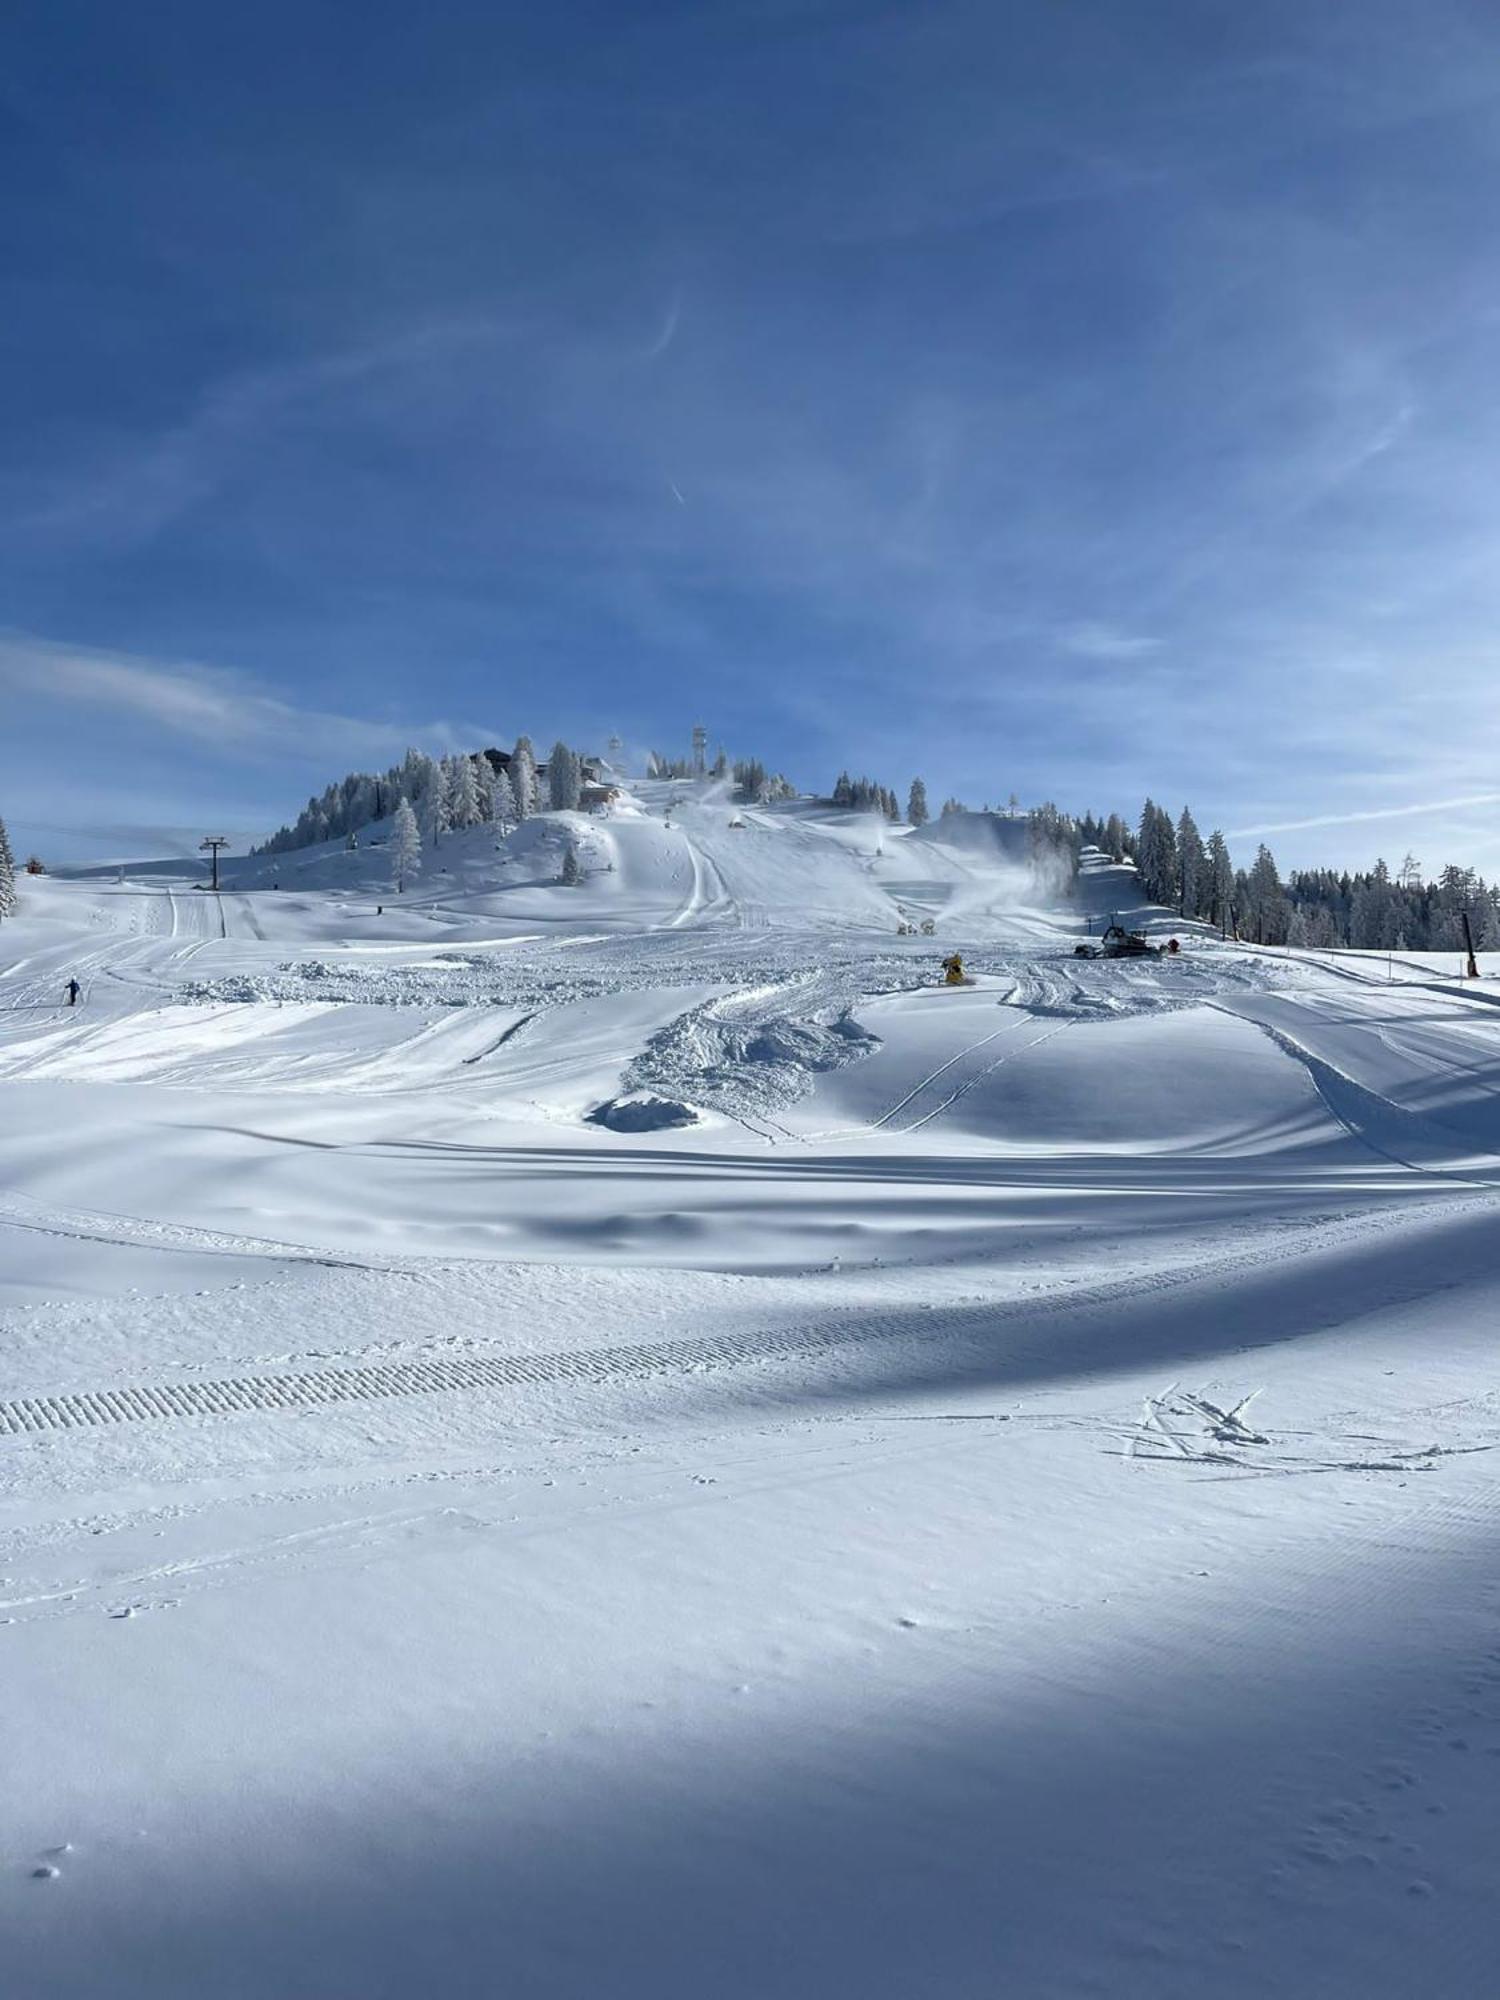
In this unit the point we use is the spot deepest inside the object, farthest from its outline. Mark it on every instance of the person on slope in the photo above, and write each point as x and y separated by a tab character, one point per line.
73	989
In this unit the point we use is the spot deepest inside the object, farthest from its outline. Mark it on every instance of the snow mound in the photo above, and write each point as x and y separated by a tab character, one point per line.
642	1112
739	1060
451	979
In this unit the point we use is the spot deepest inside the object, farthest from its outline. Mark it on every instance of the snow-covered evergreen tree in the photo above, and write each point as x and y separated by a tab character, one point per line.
416	775
406	846
523	777
437	806
485	780
503	810
916	803
7	875
463	792
563	778
572	868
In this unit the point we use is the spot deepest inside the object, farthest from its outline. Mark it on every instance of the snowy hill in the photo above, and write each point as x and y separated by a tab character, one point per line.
685	853
681	1415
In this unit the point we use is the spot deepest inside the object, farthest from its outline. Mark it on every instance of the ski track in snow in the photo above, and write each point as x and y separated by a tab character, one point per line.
232	1394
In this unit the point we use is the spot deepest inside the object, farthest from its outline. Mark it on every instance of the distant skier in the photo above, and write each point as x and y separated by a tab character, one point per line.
74	989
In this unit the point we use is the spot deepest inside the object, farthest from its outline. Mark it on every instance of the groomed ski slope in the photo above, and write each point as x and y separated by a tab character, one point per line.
620	1440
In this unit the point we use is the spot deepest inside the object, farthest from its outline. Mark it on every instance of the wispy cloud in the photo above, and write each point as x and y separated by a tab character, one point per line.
668	331
1093	641
132	495
209	705
1377	813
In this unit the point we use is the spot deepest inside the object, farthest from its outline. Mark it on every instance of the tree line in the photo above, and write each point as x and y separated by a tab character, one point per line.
754	785
1379	911
1321	908
478	788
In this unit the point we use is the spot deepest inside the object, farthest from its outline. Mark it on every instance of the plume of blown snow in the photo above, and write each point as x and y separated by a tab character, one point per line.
1042	880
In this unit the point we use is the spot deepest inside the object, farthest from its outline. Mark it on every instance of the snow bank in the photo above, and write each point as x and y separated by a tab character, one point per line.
642	1113
740	1063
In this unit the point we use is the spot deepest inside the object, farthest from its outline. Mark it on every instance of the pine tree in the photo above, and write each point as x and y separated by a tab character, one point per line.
916	803
750	780
1192	867
1219	897
415	776
1268	910
7	875
485	780
952	806
406	846
563	778
463	793
523	777
437	805
1156	854
503	811
572	871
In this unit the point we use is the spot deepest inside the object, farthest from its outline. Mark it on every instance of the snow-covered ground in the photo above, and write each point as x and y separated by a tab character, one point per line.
618	1440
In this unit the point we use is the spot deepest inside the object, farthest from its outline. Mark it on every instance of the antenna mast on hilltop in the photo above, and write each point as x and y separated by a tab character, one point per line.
700	749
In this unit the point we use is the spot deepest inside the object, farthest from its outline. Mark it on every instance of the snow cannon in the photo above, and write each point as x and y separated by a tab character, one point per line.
953	971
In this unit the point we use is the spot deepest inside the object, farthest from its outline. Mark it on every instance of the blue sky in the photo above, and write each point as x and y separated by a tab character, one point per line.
1077	397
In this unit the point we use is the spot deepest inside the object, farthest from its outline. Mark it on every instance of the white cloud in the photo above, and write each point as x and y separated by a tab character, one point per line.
208	704
1093	641
130	495
1377	813
668	331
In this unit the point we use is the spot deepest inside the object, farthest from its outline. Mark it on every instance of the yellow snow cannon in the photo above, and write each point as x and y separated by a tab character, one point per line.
953	971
